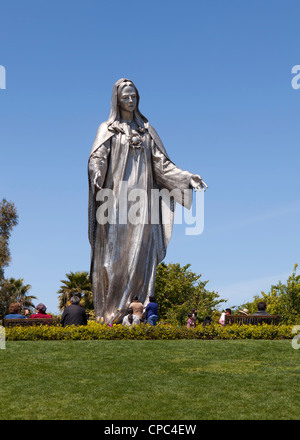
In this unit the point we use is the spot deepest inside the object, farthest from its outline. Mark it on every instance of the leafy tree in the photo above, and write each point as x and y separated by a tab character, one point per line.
14	290
178	290
283	299
76	283
8	219
8	289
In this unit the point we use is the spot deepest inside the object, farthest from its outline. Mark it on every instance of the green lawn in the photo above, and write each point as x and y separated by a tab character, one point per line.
150	380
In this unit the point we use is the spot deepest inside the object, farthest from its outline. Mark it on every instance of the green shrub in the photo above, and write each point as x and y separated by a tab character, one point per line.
283	299
146	332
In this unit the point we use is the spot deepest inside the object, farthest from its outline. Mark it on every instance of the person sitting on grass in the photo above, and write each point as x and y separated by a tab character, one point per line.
14	312
41	312
130	319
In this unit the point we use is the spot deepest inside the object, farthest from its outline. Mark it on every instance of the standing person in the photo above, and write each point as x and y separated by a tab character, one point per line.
190	321
41	312
194	314
222	319
14	312
137	307
74	314
152	311
130	319
128	156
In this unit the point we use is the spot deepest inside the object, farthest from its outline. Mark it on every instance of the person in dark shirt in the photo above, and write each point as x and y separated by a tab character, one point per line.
261	309
152	311
74	314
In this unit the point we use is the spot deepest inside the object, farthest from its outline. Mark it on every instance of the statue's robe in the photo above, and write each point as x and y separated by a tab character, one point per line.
124	256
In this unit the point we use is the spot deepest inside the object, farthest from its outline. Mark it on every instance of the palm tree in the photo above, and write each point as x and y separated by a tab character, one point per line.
19	291
14	290
76	283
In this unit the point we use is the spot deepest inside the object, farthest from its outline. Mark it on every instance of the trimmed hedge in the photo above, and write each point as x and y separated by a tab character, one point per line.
95	331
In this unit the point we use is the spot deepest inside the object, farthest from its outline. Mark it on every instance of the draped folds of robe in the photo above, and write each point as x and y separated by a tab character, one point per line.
125	254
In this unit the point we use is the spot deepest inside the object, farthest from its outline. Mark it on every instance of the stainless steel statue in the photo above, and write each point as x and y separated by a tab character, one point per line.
128	236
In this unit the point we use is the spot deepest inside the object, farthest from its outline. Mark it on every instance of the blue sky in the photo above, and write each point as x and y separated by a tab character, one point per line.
215	81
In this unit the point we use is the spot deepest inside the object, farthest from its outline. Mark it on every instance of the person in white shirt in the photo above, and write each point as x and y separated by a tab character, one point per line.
130	319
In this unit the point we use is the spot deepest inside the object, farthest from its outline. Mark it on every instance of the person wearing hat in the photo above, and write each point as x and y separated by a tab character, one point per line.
41	312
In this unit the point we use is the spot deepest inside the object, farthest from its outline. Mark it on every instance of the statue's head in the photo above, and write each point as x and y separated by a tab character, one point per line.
125	94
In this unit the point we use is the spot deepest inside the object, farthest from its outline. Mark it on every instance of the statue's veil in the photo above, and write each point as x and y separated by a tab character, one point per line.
105	132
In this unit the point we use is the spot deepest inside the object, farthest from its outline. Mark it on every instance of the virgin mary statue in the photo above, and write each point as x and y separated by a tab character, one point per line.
127	164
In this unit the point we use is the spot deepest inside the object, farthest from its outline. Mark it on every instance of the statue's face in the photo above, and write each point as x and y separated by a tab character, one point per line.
128	99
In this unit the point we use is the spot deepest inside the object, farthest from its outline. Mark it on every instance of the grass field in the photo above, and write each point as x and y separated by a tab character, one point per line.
150	380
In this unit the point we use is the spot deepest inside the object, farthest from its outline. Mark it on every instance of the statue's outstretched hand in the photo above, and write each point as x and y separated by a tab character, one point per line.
197	183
